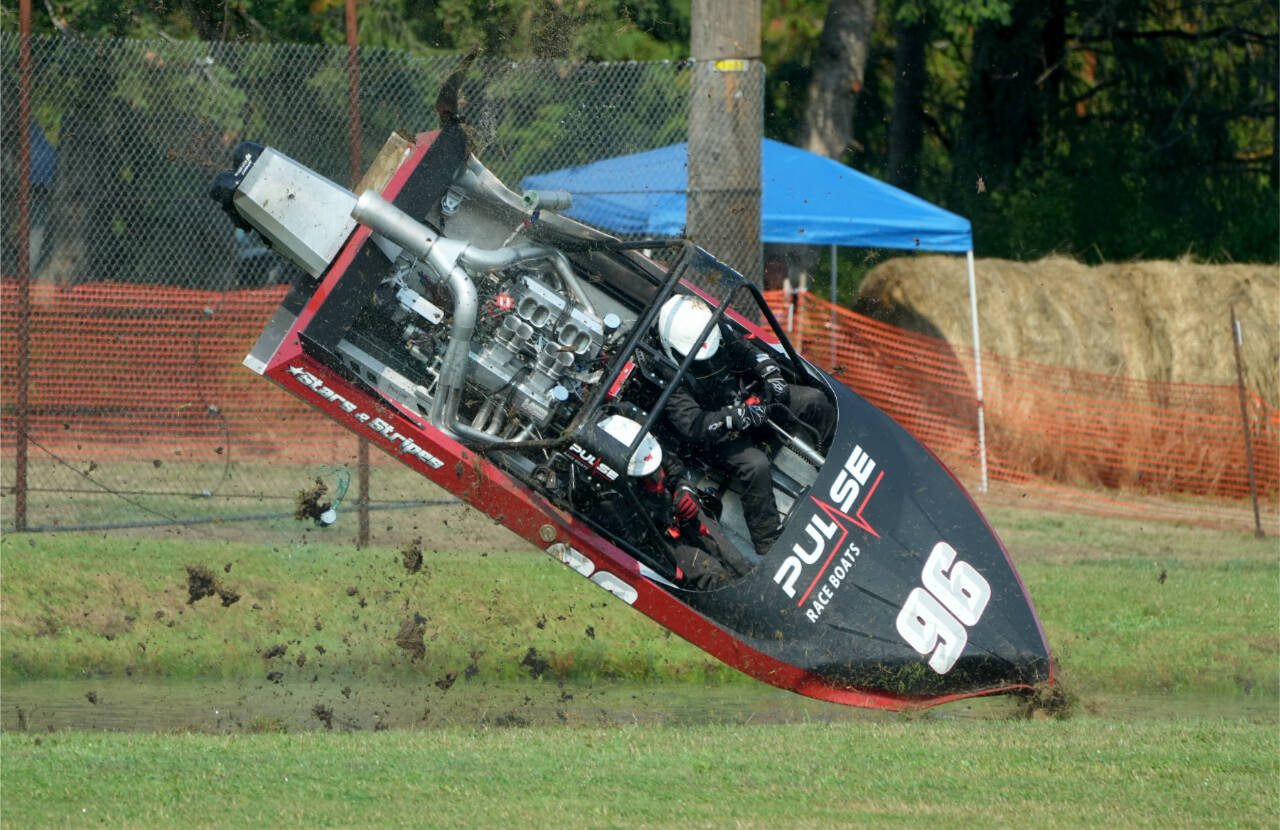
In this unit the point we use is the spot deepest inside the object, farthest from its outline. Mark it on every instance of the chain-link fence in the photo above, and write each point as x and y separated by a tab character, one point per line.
144	297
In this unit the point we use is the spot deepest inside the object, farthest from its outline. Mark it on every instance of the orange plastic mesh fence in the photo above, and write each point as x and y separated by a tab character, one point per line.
137	372
1043	423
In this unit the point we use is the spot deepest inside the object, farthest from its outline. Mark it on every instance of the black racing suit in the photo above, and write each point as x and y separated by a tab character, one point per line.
718	412
705	557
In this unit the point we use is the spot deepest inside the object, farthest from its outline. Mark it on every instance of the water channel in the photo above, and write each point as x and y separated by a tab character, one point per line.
226	706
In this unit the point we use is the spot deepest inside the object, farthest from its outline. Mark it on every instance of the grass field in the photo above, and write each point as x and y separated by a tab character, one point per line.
1127	608
1079	773
1130	610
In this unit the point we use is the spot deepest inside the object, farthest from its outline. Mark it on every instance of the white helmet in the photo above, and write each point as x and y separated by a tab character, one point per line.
681	320
647	457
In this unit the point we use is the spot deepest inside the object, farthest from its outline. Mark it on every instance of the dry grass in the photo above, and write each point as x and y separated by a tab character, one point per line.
1156	321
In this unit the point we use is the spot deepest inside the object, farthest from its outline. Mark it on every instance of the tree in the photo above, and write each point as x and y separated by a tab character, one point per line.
1118	131
906	126
838	75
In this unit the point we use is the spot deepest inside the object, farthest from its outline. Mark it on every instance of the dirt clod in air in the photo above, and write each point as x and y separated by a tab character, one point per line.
412	556
535	663
445	683
92	697
473	668
410	637
278	650
201	583
276	676
310	504
324	714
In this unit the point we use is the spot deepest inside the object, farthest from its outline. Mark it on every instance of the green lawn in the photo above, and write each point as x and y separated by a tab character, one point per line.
1132	612
1078	773
1126	608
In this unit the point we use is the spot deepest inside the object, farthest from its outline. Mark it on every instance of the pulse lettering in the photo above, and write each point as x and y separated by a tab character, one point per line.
822	544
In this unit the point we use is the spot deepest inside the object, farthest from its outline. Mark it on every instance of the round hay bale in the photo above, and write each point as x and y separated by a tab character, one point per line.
1152	321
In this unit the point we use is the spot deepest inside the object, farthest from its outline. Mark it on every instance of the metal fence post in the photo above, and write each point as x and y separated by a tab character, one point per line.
24	267
1244	418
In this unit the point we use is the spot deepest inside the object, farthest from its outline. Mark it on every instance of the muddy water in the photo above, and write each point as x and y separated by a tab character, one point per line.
359	704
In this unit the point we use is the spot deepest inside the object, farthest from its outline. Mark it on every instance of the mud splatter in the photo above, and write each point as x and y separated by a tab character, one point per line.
1048	701
410	637
537	666
201	583
473	668
324	714
91	696
511	719
445	683
308	504
278	650
412	556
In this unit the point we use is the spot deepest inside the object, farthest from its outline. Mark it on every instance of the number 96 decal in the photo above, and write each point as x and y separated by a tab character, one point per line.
934	618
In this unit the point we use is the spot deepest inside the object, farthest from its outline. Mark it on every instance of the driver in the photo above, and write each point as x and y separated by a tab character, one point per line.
705	559
724	402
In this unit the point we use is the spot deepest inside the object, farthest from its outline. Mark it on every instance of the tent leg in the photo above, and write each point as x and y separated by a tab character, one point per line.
834	302
977	369
834	299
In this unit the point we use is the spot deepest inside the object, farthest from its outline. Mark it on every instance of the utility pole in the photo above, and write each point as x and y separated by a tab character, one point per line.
726	123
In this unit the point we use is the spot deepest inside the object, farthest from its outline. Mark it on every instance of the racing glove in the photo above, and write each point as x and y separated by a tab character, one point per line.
777	391
749	413
685	502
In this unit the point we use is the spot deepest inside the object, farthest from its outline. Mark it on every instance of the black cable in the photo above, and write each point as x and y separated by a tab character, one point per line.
105	488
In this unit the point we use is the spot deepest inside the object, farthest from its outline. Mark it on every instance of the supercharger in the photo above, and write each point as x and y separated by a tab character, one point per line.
506	334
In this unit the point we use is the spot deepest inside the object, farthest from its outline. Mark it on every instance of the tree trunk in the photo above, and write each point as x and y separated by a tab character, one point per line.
1008	103
838	73
826	127
906	125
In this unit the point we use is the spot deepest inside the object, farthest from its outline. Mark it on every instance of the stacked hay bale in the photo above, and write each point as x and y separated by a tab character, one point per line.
1157	321
1149	321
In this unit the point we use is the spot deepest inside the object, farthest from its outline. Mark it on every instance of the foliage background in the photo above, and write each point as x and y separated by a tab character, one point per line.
1101	129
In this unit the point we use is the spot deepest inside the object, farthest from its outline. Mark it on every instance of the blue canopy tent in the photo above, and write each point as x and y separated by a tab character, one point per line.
807	199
